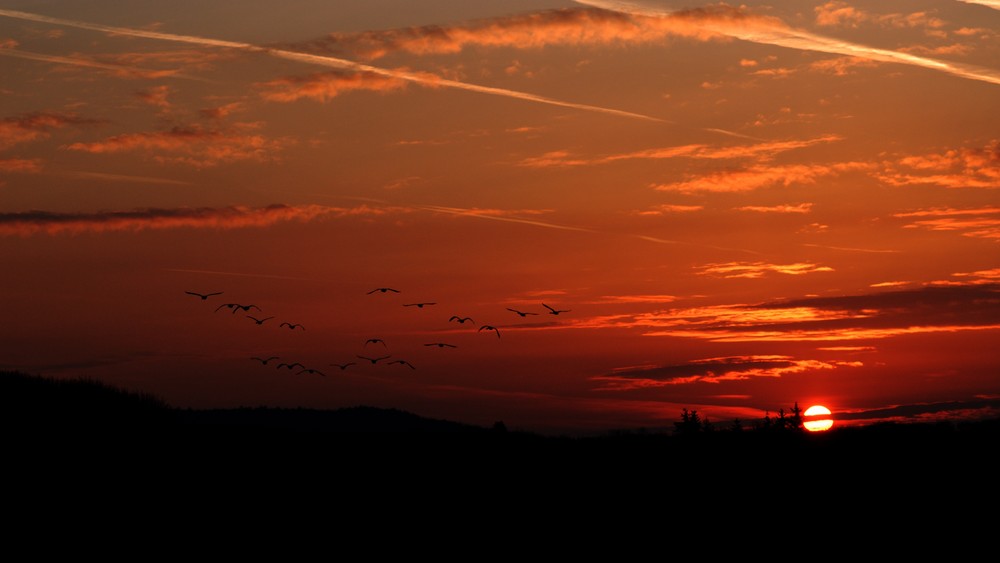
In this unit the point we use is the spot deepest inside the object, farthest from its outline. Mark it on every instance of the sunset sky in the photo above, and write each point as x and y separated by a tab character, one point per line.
737	206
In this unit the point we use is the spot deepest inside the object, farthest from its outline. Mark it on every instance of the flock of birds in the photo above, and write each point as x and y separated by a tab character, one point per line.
375	342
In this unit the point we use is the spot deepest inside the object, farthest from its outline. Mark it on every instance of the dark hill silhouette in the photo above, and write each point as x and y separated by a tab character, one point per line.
34	406
351	419
31	403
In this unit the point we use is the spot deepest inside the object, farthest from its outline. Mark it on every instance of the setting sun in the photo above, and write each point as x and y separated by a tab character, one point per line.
817	418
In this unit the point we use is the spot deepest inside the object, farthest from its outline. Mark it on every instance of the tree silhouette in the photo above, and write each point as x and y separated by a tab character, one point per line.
795	421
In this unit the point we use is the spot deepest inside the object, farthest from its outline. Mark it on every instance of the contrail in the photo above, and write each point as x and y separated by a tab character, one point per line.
799	39
74	61
995	4
321	60
478	214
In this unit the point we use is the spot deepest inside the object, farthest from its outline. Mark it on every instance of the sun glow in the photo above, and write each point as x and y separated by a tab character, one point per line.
817	418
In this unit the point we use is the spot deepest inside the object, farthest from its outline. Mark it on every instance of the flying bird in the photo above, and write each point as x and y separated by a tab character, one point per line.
310	370
227	306
522	313
374	360
203	296
375	341
245	308
292	326
383	290
290	366
343	366
490	327
441	345
554	311
461	320
404	362
264	361
417	305
259	321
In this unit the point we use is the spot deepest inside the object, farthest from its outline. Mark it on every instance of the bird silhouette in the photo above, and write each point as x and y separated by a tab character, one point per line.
310	370
343	366
245	308
375	341
383	290
417	305
374	360
259	321
290	366
522	313
554	311
264	360
461	320
490	327
227	306
292	326
404	362
203	296
441	345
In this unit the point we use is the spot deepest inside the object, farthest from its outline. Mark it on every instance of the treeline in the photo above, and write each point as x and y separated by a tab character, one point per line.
693	423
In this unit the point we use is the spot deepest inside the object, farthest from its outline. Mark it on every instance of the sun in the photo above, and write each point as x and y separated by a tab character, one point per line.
817	418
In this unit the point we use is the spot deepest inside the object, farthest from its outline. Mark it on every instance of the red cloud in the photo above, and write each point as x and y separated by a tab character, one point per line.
37	222
192	145
323	86
957	168
20	165
32	126
539	29
758	176
155	96
758	269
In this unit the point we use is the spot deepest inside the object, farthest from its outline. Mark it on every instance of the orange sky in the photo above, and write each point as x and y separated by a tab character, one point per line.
739	207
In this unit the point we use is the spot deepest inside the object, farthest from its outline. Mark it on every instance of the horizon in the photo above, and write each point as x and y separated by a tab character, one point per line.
567	216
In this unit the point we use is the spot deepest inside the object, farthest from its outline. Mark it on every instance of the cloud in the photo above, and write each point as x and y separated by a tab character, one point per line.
670	208
20	165
220	112
981	222
155	96
236	217
956	168
712	370
819	228
121	71
762	151
760	176
995	4
34	126
560	27
635	299
799	208
324	86
758	269
948	212
321	60
772	31
191	145
841	66
988	276
889	284
956	307
840	14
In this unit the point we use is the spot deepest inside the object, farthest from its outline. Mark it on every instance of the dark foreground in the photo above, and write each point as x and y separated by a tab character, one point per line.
84	428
